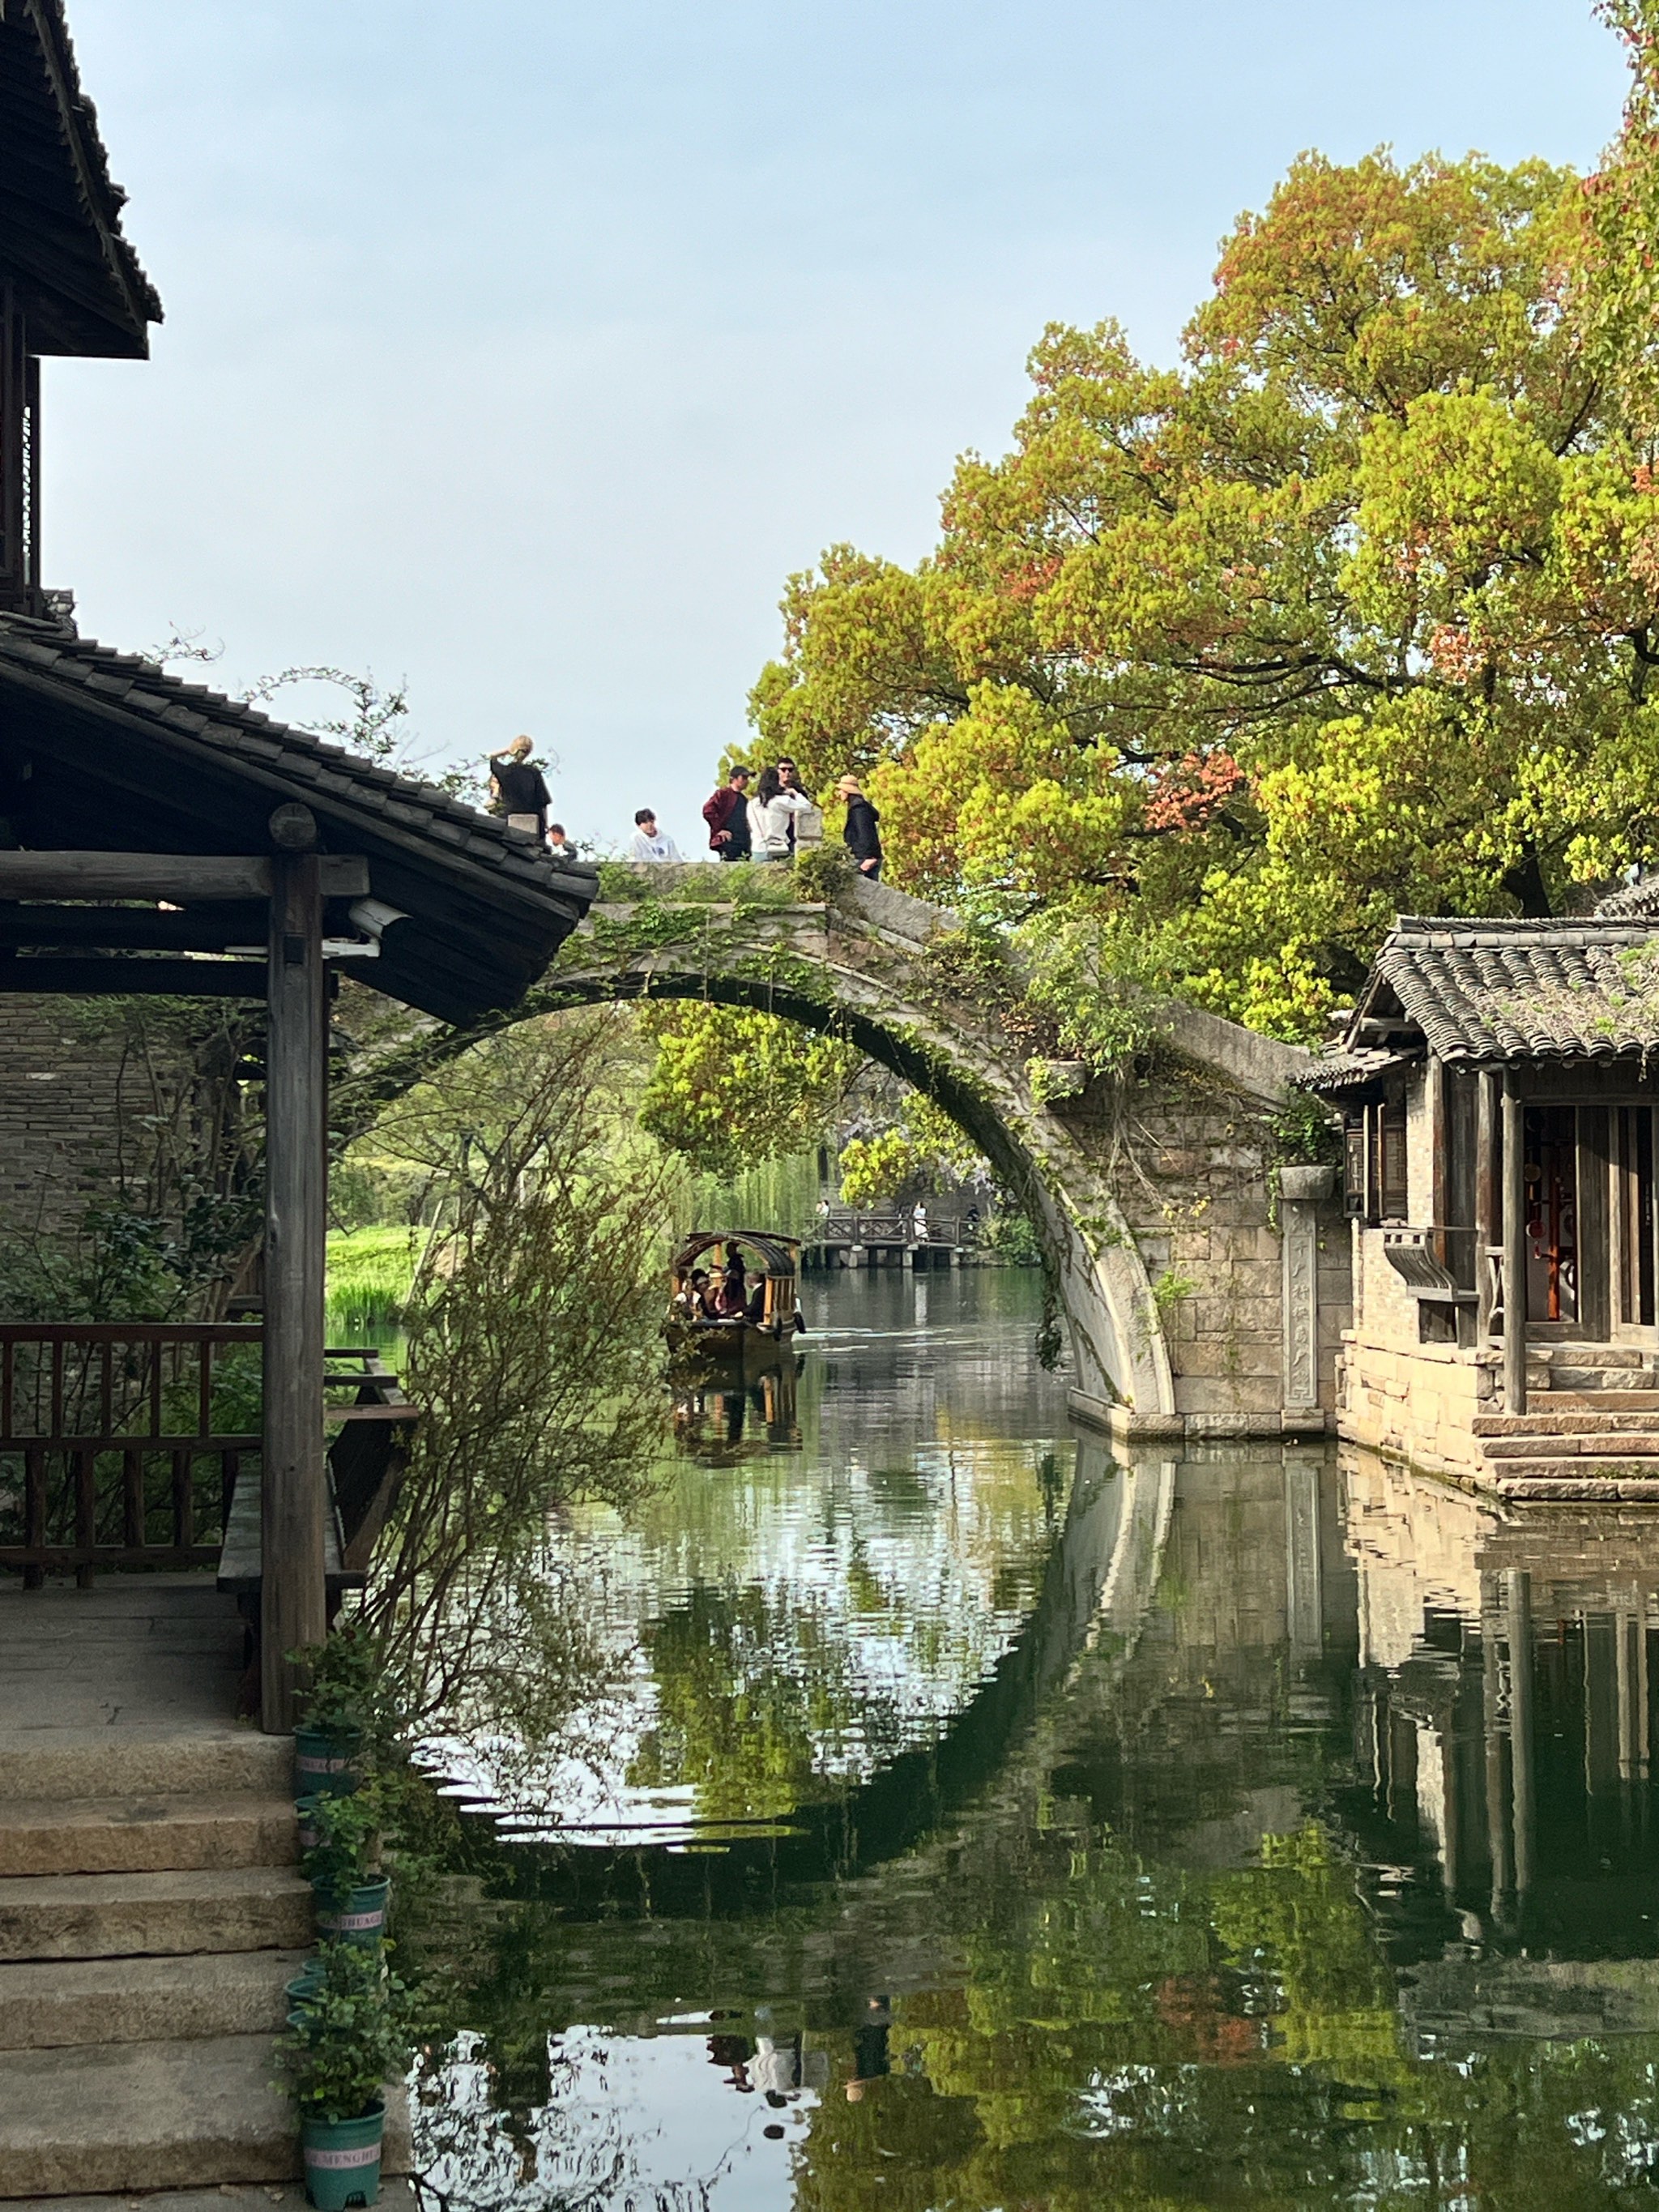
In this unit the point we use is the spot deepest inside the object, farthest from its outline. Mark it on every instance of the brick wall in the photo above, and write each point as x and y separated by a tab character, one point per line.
60	1078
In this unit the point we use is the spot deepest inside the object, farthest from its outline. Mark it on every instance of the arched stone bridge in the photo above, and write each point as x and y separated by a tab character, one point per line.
1151	1198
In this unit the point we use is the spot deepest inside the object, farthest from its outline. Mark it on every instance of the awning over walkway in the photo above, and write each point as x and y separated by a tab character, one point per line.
102	751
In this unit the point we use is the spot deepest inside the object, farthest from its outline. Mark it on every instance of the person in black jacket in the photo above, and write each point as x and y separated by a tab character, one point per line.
862	836
520	788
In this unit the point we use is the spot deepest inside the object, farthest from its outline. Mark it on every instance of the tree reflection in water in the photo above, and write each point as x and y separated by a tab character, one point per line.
1293	1852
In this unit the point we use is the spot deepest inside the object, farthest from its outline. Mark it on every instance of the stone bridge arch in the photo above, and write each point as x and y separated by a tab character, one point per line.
877	968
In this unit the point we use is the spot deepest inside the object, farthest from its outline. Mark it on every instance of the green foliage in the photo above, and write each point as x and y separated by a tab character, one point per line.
354	2033
534	1353
1101	986
875	1169
824	873
347	1852
370	1272
1011	1234
1353	612
730	1086
346	1690
925	1148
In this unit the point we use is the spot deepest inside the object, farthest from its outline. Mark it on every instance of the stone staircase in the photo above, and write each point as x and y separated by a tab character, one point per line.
1590	1430
145	1937
151	1909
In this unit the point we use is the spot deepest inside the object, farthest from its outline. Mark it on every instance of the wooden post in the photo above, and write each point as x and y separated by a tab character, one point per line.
1488	1220
1515	1249
294	1603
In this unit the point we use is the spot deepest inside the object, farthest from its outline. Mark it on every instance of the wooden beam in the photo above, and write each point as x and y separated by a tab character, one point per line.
121	978
1515	1249
135	928
293	1483
182	876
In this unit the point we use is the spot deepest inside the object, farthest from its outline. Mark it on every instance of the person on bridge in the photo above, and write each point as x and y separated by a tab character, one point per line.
863	837
559	845
772	812
650	843
520	787
726	813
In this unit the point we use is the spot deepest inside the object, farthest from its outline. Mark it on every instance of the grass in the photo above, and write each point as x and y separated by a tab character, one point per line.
369	1273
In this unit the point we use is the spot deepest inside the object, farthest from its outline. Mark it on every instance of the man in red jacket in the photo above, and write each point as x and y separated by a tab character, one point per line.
727	814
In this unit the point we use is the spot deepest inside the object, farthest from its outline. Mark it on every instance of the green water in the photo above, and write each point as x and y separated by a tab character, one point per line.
980	1822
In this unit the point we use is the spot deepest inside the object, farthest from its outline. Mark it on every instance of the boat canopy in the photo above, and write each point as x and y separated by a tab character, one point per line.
778	1256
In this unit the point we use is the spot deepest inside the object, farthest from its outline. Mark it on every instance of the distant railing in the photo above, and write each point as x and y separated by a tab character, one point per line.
891	1225
121	1442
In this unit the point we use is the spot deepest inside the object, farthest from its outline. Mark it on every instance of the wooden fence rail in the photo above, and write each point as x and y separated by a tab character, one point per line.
125	1444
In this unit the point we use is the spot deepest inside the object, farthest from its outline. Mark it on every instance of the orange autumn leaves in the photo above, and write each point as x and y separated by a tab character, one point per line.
1352	613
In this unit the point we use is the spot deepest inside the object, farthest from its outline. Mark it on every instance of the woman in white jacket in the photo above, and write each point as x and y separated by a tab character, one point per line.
769	812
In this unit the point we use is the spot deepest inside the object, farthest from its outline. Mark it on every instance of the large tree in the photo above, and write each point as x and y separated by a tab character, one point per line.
1354	611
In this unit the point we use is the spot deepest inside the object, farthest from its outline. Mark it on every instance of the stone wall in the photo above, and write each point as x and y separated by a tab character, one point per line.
1191	1158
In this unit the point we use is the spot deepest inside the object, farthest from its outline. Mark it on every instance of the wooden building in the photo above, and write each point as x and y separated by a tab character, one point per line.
157	838
1498	1085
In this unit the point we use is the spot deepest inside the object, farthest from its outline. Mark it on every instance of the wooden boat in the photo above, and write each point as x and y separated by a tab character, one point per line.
771	1266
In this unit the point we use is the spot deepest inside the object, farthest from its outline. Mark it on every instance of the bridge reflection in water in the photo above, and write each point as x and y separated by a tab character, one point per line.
1294	1850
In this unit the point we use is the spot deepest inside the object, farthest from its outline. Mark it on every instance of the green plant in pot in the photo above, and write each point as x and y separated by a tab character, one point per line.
339	1711
343	1867
347	2039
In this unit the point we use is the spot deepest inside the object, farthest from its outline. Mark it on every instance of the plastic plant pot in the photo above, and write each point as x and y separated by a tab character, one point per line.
358	1917
325	1761
304	1812
342	2159
307	1982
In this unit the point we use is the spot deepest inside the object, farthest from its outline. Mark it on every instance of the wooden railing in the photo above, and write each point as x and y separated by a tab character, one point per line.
104	1429
129	1443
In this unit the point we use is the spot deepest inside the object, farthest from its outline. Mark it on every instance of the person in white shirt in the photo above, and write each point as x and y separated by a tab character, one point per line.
771	816
651	844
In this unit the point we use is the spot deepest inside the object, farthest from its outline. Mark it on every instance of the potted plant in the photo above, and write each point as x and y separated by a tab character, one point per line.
343	1867
347	2039
339	1705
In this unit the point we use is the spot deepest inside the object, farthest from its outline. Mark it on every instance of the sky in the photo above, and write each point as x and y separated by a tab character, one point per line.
522	349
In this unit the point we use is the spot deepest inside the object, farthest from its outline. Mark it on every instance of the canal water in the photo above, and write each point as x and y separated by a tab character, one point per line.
972	1818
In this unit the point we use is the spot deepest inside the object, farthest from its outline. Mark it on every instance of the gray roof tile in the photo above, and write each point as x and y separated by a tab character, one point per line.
1496	990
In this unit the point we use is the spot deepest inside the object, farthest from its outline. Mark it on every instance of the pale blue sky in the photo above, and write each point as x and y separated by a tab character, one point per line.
523	348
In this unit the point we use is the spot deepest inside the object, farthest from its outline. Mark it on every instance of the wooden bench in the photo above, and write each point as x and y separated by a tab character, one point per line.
363	1467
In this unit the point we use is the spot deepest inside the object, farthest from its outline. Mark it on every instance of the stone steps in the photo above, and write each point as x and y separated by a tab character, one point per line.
145	1835
1594	1401
144	2116
1555	1421
103	1763
49	2004
140	2115
106	1916
397	2195
1551	1444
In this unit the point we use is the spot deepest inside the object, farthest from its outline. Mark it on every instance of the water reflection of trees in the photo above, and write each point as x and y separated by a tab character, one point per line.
1246	1908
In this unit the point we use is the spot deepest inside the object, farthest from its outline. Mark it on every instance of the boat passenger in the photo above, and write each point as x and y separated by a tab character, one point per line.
757	1308
693	1298
731	1299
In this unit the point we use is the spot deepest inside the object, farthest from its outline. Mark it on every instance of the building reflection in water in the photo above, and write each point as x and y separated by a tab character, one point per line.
1504	1741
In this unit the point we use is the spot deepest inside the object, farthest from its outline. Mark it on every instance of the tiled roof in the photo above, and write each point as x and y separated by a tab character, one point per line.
113	748
1641	897
328	775
1495	990
1344	1069
63	234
